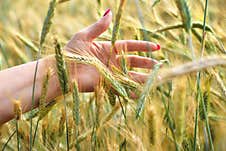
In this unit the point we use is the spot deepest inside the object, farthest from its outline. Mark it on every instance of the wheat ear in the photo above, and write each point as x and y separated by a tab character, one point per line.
101	68
63	79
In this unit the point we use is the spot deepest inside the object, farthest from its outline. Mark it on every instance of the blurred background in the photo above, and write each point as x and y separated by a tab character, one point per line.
20	27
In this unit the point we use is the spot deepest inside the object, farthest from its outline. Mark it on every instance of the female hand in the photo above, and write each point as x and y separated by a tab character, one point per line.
82	43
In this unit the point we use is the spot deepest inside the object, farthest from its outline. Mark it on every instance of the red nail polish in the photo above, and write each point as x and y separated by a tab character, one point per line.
158	47
106	12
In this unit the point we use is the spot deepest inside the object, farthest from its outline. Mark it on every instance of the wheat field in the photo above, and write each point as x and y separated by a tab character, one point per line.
182	110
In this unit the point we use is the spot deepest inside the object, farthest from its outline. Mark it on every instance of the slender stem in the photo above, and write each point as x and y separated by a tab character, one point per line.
33	96
10	137
170	121
204	28
67	134
197	113
200	96
196	128
180	25
17	134
204	107
207	126
123	111
36	128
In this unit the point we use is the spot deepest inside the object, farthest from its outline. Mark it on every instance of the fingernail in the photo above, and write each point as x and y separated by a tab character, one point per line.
106	12
158	47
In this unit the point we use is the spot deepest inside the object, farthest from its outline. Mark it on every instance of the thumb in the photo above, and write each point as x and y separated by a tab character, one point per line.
99	27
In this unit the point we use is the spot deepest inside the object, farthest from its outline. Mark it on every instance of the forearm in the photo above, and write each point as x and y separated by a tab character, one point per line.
17	83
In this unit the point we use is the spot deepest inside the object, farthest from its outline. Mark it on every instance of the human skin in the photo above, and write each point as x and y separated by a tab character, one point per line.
17	82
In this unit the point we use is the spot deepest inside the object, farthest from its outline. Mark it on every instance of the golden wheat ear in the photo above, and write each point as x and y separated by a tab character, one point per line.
101	68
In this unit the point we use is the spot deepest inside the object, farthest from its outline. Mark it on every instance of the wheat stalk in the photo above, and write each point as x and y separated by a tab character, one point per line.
199	90
63	79
76	112
17	114
43	110
45	30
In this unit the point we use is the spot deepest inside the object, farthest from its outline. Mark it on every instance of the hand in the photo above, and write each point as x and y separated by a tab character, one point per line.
82	43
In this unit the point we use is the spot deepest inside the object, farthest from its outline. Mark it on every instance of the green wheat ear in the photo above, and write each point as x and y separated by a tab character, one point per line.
63	79
117	22
115	33
185	14
146	91
61	68
48	21
76	103
76	112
